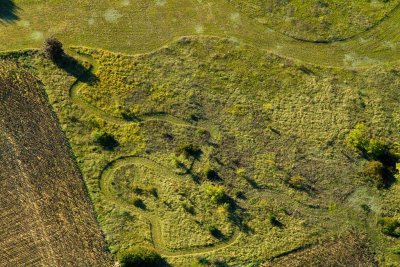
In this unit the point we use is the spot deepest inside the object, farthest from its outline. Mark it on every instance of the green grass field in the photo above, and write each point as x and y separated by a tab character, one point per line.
213	138
142	26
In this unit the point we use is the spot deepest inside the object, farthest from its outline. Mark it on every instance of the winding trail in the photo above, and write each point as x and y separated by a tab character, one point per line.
107	175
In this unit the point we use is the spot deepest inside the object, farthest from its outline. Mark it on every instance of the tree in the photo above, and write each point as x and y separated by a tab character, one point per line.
53	49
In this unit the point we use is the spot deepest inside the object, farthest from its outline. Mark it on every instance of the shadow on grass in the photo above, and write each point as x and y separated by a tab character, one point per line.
8	11
75	68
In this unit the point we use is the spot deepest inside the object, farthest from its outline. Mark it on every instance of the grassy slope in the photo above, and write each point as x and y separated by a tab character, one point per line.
317	20
142	26
46	216
294	126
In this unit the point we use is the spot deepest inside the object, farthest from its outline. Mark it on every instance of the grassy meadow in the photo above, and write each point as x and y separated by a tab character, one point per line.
228	133
141	26
226	152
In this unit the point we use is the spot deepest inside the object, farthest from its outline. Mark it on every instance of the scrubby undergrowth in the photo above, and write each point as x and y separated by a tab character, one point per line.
246	151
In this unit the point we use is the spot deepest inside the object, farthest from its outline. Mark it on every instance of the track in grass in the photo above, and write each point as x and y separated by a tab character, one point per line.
130	29
106	178
106	181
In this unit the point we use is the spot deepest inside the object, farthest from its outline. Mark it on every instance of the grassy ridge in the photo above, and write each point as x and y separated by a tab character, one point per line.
277	119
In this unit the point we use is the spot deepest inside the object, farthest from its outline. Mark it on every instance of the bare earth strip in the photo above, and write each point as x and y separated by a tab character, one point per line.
46	215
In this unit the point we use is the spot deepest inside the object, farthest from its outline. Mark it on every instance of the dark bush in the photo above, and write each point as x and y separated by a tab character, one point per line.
215	232
140	257
190	151
138	203
274	221
53	49
212	175
106	140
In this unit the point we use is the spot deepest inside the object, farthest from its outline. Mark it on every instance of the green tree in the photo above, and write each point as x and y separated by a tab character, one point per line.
53	49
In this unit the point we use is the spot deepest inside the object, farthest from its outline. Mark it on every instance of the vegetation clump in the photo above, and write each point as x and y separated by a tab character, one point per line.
375	170
216	193
215	232
298	182
138	203
382	157
189	150
140	257
274	221
390	226
53	49
212	174
106	140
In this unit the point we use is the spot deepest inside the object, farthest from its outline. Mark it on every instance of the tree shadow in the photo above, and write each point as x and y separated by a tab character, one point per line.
8	11
389	178
75	68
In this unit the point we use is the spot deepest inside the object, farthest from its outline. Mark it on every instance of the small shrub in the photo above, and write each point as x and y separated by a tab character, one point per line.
140	257
298	182
138	203
357	138
212	175
152	191
274	221
376	149
366	208
370	148
390	226
106	140
188	208
215	232
138	190
241	172
375	170
190	151
53	49
216	193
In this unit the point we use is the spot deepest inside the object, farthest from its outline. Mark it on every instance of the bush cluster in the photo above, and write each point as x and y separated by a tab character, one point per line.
375	170
298	182
140	257
390	226
371	148
106	140
190	150
383	158
216	193
212	174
